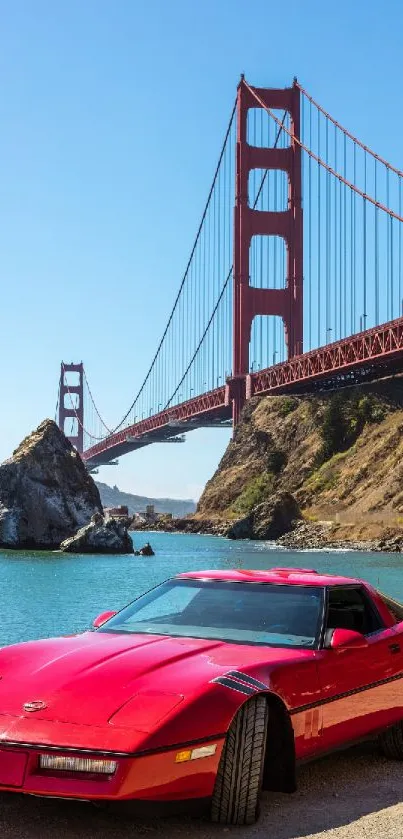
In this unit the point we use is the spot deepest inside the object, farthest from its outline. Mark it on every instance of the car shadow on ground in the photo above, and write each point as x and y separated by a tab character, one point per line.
334	792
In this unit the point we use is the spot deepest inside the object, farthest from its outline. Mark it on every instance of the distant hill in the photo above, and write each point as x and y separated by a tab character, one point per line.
114	497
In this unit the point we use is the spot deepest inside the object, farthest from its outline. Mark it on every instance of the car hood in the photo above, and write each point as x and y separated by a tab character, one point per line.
90	678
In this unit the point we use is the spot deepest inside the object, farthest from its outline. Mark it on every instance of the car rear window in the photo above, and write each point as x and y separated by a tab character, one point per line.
394	607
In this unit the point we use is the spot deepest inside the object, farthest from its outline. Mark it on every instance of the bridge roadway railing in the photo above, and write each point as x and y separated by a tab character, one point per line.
373	348
372	353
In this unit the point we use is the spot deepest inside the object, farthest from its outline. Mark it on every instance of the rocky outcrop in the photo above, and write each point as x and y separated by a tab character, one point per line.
46	493
269	520
338	454
146	550
101	535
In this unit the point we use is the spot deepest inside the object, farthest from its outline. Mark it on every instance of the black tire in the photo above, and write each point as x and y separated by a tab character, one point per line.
239	777
392	742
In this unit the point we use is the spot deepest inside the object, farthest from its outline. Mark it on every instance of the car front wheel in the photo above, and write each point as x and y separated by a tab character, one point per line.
239	777
391	741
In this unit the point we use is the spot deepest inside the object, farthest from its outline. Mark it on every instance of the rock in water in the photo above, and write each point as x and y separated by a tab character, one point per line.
106	536
46	493
146	550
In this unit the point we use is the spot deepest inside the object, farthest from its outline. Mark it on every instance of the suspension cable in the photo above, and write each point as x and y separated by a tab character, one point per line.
227	133
116	428
348	133
322	162
227	279
95	407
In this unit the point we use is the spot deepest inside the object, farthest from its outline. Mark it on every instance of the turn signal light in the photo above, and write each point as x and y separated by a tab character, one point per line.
77	764
194	754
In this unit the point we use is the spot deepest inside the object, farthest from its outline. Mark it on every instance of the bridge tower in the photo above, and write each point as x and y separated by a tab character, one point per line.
248	301
67	409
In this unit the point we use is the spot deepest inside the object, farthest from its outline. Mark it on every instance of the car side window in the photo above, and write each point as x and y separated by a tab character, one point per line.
350	608
395	608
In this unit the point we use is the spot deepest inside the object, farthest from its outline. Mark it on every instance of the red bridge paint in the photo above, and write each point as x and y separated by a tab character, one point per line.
369	354
374	353
248	222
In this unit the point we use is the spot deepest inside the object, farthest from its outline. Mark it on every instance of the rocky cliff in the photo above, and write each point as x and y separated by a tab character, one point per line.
46	493
339	454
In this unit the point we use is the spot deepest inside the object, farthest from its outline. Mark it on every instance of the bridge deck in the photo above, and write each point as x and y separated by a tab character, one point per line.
371	354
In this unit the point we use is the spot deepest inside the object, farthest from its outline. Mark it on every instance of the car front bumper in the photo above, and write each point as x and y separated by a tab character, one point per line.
154	777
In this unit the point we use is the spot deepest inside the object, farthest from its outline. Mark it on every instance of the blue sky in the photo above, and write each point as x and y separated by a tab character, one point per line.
112	115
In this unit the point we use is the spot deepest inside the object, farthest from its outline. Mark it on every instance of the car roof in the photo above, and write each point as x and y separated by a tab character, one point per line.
284	576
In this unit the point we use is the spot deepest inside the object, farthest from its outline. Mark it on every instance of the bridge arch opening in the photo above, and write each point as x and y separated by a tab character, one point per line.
71	401
262	129
71	427
268	262
268	190
71	378
267	345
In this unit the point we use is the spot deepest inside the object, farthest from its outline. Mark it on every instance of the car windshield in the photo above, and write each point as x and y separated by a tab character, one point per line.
249	613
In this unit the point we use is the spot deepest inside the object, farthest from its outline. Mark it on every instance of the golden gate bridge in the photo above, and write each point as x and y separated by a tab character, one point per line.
293	283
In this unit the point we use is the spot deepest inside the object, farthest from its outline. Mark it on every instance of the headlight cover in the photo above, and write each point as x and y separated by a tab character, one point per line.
56	763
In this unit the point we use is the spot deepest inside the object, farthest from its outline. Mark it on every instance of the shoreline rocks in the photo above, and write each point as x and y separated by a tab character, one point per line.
302	536
269	520
102	536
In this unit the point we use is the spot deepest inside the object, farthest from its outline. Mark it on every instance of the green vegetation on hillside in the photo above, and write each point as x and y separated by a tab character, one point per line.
331	451
254	493
344	420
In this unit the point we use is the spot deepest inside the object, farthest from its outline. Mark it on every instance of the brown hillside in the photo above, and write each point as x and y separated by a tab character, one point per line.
340	455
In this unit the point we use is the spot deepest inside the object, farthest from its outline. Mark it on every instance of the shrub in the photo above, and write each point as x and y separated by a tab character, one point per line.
344	420
276	460
255	492
287	406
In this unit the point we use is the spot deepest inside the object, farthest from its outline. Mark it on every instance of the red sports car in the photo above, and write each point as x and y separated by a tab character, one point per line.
205	689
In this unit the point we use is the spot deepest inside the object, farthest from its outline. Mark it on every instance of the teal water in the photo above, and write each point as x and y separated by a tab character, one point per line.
47	594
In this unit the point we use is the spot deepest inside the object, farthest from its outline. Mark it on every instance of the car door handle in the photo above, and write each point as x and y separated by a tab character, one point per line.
394	648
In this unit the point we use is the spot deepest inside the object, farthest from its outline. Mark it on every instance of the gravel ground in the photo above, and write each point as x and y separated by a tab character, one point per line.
352	795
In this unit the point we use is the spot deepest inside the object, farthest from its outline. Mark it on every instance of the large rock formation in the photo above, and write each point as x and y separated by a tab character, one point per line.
46	493
269	520
101	535
340	456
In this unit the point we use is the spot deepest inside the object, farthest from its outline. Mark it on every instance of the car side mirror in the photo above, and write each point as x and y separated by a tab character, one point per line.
102	618
345	639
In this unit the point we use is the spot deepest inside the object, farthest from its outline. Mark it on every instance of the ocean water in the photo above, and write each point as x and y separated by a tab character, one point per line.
47	594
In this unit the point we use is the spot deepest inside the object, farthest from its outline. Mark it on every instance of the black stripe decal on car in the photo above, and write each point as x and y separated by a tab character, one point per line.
243	677
234	685
347	693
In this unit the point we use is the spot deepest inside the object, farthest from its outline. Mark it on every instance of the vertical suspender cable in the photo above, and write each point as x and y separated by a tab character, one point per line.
400	249
319	234
334	331
389	307
309	278
328	186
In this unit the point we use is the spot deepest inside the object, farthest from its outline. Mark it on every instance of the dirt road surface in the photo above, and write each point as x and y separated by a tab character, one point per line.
351	795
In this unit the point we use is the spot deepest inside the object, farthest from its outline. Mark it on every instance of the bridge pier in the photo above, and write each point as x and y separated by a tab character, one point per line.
235	396
66	392
248	301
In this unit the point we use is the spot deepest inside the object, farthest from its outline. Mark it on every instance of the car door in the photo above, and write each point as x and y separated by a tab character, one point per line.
362	689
